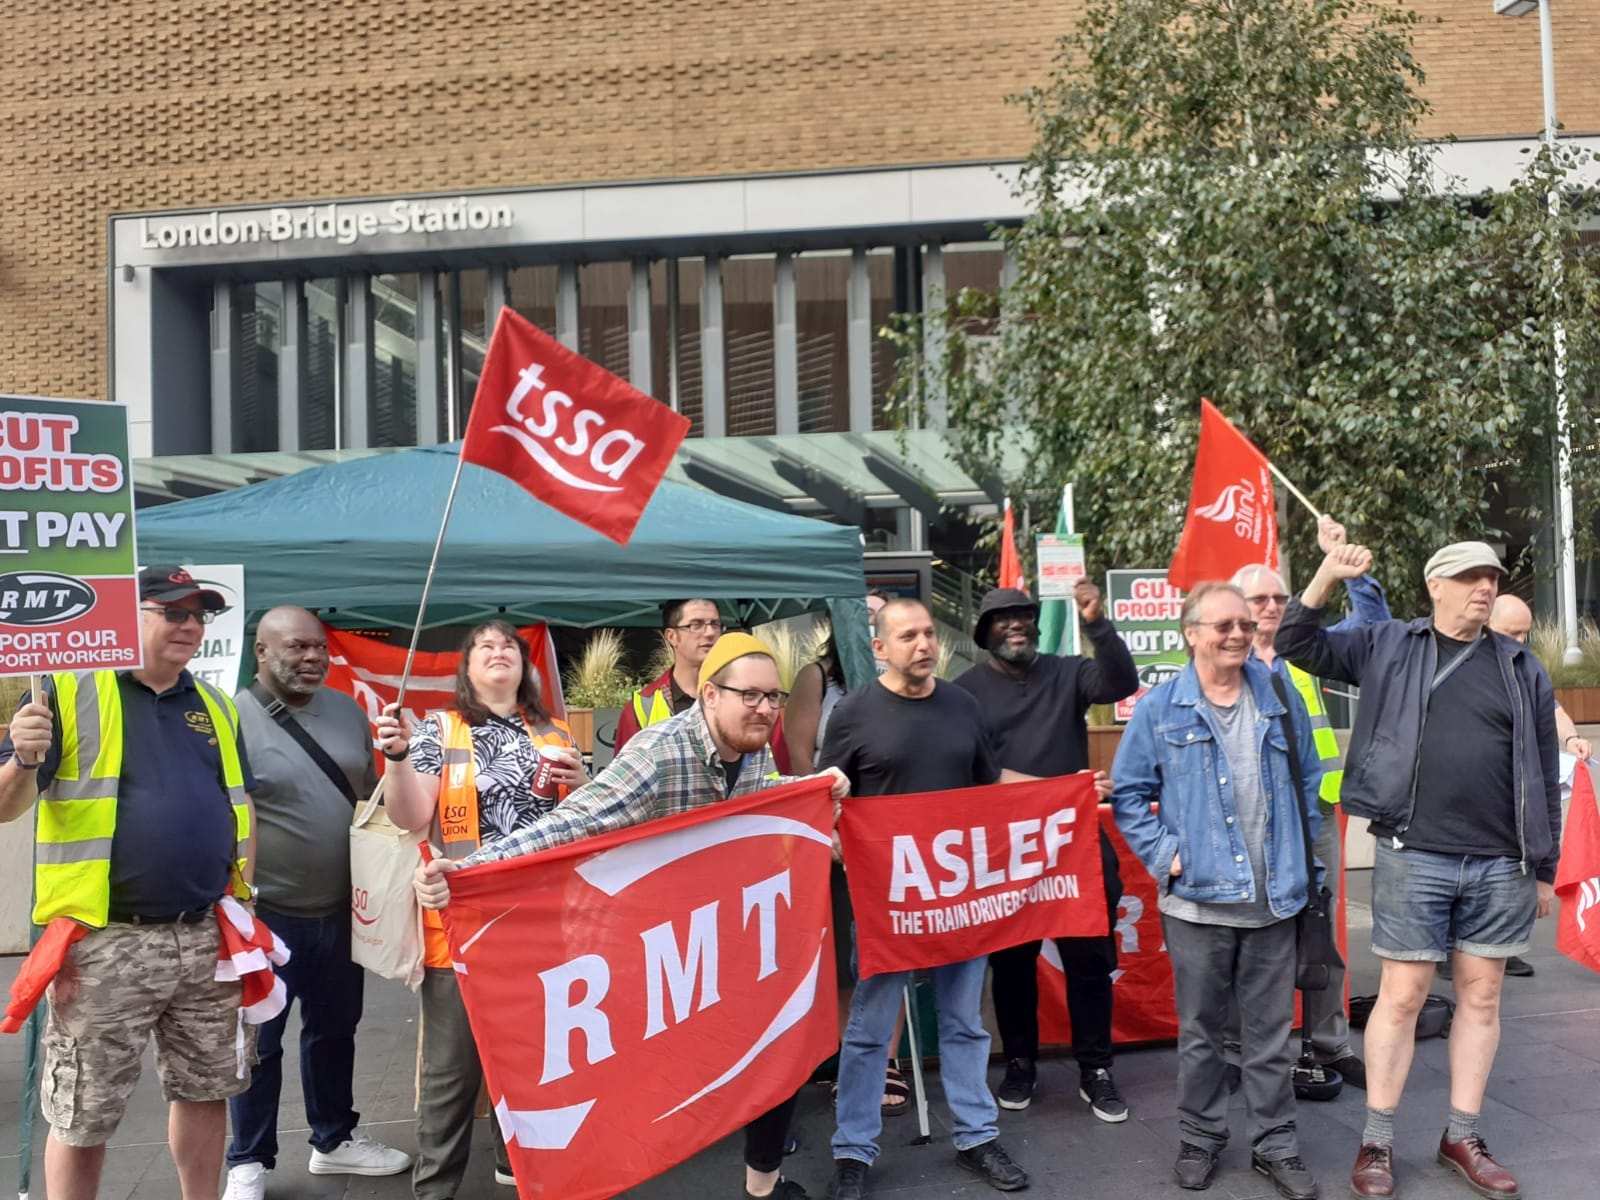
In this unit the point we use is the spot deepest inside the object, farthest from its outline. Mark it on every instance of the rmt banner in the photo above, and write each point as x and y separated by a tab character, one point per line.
68	594
941	877
638	995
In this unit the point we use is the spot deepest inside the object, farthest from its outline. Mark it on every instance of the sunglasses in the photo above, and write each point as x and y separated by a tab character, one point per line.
176	614
1269	598
1227	627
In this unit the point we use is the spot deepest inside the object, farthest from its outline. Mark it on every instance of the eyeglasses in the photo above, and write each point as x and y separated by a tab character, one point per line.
753	697
1227	627
700	625
1269	598
177	614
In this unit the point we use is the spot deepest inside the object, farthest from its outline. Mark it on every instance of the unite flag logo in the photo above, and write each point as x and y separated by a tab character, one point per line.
1231	522
568	431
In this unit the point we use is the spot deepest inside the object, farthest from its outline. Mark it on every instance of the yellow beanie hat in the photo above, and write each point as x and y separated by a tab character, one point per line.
727	648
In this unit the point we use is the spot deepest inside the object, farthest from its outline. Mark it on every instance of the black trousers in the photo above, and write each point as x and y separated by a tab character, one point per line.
1088	963
764	1137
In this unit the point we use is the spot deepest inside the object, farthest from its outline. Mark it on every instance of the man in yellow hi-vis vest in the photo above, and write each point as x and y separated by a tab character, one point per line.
144	823
1265	591
691	628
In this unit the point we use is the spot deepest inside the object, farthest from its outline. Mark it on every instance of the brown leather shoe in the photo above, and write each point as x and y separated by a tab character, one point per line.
1374	1171
1470	1159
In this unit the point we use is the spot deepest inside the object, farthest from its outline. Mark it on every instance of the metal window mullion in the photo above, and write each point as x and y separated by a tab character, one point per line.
713	353
430	342
641	365
858	308
358	360
785	346
674	368
494	299
291	363
567	311
935	408
224	345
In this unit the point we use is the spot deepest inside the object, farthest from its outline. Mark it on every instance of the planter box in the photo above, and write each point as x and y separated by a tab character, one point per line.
1582	704
1103	743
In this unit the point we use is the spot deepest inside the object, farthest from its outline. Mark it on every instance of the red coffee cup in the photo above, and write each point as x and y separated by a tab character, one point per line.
544	784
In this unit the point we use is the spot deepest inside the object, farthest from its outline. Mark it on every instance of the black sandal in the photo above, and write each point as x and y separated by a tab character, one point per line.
896	1092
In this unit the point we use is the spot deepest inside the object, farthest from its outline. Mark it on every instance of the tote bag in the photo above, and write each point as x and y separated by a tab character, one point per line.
385	919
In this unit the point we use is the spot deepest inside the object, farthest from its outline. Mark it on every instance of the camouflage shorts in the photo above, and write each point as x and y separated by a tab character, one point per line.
120	984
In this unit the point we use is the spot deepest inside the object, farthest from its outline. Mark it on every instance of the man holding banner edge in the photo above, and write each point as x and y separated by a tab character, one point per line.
716	749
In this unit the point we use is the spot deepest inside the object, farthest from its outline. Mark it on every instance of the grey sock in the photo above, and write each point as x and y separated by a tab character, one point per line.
1462	1126
1379	1129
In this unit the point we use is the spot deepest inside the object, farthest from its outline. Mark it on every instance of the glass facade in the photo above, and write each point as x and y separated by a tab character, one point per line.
739	344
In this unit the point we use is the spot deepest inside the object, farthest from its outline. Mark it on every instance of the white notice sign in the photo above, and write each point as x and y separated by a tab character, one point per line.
222	651
1061	564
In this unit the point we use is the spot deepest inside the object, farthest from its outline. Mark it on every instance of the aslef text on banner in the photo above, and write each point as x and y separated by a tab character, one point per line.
941	877
567	430
639	995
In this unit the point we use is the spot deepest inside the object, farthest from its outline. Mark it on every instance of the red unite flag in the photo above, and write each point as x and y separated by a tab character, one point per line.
638	995
1578	879
568	431
1011	575
941	877
1231	521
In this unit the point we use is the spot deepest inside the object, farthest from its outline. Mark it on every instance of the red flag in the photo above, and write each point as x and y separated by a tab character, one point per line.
568	431
941	877
1578	879
639	995
368	669
1232	522
1011	575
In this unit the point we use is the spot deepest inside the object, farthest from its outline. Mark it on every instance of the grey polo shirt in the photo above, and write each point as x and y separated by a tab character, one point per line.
302	819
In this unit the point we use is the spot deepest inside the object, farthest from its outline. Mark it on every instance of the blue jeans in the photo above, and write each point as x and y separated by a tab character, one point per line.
322	977
1424	905
963	1058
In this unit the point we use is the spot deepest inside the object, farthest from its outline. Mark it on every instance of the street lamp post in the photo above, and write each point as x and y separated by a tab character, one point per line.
1566	555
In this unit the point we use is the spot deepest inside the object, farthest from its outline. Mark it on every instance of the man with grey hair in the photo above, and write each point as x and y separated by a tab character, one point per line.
1454	762
1323	1013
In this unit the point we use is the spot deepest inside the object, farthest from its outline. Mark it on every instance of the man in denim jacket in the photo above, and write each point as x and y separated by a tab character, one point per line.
1226	846
1454	761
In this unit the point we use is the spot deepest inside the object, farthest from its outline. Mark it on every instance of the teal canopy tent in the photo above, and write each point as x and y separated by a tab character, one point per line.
352	540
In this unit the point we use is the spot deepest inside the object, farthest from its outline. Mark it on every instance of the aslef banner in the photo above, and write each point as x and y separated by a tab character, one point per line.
638	995
69	596
223	648
941	877
567	430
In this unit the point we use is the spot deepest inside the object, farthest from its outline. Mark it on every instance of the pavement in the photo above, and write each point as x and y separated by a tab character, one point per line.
1541	1117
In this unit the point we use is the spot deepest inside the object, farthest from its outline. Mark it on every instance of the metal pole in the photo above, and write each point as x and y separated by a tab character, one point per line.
1566	553
924	1131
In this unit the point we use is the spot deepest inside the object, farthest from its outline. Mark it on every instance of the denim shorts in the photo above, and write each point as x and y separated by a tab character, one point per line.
1424	905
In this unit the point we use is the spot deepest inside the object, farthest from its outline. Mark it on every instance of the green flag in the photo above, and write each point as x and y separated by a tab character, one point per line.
1058	618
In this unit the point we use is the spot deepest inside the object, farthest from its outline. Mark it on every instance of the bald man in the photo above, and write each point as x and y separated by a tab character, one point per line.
303	807
1514	619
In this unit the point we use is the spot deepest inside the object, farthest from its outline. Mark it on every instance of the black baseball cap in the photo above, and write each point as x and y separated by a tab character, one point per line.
168	583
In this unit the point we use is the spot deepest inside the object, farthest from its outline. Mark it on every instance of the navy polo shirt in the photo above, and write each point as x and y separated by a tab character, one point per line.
174	843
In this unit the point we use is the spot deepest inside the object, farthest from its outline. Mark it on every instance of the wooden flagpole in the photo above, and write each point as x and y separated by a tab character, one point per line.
1311	508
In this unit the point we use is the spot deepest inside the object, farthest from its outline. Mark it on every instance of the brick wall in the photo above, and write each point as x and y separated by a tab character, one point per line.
149	105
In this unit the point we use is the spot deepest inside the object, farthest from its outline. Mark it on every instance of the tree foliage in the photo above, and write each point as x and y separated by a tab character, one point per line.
1229	198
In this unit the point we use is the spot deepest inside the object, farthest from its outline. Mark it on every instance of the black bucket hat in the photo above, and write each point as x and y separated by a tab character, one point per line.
996	601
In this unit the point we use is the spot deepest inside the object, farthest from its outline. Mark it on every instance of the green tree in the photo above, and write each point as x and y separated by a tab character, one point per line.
1229	198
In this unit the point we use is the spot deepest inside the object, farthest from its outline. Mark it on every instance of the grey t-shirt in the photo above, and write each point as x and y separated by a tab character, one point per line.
1237	741
302	819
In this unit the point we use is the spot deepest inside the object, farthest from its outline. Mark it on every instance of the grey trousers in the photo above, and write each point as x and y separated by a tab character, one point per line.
1323	1012
451	1077
1212	964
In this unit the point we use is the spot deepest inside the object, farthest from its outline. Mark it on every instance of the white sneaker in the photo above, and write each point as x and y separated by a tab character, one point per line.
360	1155
247	1181
505	1177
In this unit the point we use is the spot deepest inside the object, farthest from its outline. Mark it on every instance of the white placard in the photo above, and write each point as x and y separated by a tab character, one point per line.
222	651
1061	564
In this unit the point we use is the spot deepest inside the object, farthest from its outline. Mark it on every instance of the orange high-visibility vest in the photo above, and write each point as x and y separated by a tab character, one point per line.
457	813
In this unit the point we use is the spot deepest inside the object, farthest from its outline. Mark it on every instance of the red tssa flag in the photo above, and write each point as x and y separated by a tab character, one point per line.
639	995
1578	879
1231	522
1011	575
941	877
570	432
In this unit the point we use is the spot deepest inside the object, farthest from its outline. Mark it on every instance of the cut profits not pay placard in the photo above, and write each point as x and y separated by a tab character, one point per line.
68	566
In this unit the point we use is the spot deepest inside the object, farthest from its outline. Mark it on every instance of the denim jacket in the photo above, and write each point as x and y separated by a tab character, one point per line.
1171	756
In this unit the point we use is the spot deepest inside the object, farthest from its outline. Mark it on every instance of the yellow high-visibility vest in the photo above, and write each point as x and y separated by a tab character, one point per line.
1321	733
659	710
78	811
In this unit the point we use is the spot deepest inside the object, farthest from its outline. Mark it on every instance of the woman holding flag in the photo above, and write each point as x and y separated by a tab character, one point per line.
473	774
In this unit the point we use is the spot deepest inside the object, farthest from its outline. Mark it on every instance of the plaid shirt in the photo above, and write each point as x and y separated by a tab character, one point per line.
664	769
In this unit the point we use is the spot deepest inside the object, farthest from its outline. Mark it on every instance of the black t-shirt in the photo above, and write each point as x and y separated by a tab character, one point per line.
1466	801
730	771
889	745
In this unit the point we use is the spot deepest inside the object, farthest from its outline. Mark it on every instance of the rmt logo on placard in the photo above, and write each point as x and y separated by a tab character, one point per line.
608	457
43	598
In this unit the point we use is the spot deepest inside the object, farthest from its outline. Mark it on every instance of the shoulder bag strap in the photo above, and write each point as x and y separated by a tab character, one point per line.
279	712
1312	897
1452	666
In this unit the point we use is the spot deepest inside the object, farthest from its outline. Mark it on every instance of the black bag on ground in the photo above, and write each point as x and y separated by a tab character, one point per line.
1433	1021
